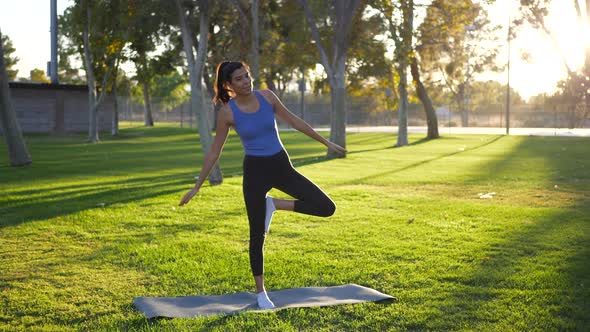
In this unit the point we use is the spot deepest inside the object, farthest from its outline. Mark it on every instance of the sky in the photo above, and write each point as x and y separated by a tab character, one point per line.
27	24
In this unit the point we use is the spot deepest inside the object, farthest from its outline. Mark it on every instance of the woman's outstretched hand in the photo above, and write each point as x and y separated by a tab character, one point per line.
188	196
336	148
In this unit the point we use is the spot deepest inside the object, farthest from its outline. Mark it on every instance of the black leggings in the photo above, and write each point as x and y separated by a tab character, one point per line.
276	171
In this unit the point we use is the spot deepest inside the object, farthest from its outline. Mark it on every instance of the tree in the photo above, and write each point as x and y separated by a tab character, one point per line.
424	96
571	94
234	39
68	49
38	75
400	18
170	89
401	31
282	36
255	51
67	73
343	13
450	47
220	33
252	26
403	48
99	29
153	20
367	62
492	92
569	100
195	69
111	53
9	60
17	149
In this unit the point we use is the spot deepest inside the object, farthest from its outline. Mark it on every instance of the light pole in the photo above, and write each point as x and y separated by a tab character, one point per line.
53	25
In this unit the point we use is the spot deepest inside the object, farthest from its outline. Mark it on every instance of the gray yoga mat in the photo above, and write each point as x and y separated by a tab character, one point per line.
193	306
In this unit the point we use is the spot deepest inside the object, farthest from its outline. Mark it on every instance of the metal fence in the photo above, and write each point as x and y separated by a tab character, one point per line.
364	112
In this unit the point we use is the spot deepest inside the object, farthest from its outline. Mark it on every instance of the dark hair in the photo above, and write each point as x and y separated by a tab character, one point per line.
224	71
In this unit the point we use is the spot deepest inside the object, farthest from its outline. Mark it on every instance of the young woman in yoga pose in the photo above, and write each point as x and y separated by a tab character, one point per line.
266	163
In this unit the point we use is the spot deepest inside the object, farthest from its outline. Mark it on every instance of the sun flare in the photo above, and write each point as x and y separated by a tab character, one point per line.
538	59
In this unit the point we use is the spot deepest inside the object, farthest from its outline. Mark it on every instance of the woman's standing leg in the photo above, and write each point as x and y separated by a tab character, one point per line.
255	187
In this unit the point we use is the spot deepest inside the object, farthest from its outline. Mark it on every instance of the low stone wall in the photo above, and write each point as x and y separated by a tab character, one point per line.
52	108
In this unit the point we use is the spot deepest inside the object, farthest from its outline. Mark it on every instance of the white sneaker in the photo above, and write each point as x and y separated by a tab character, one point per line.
270	210
263	301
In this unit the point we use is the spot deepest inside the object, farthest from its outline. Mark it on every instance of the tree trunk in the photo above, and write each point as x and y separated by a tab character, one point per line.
343	12
115	119
95	100
402	133
302	94
90	81
209	86
461	103
17	149
403	50
195	76
466	112
254	66
148	120
431	120
208	81
339	110
245	33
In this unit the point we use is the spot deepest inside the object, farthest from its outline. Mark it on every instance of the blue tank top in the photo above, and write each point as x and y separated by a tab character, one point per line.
258	130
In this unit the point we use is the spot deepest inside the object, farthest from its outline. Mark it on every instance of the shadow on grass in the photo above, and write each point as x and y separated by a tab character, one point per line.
113	160
83	197
417	142
501	275
420	163
391	139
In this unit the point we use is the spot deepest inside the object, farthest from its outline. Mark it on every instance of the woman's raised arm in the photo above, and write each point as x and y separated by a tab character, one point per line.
296	122
221	133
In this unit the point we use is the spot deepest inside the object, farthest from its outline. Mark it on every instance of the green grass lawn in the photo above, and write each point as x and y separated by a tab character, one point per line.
87	228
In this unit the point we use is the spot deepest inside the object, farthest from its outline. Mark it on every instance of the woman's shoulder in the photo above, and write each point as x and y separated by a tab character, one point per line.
268	95
225	113
225	107
225	110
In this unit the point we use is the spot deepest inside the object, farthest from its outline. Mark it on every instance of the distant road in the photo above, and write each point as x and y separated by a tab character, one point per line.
577	132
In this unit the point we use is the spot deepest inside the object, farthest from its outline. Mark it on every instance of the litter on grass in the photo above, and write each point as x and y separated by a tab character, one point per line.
486	196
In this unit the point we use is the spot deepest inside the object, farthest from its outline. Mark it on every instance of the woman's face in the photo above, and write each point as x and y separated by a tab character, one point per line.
241	83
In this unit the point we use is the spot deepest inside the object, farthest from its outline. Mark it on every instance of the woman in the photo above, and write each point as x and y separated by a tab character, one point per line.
266	163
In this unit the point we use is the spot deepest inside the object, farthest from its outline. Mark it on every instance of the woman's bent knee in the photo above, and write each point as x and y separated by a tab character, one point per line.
329	209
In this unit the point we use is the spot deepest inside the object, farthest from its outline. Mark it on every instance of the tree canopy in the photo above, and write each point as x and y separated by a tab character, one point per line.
38	75
443	44
10	61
